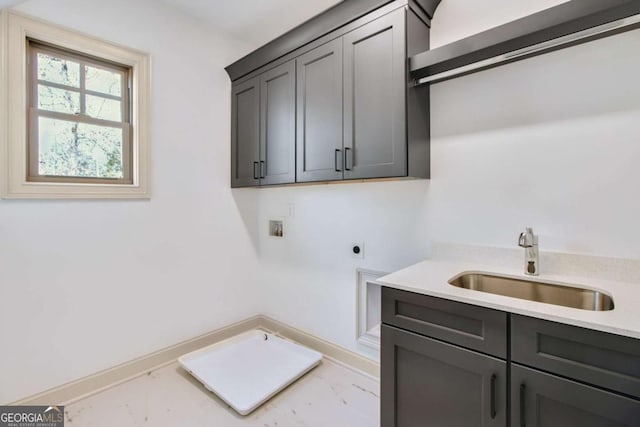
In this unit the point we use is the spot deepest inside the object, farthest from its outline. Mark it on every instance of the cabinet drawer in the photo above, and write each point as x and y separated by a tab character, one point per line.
606	360
466	325
544	400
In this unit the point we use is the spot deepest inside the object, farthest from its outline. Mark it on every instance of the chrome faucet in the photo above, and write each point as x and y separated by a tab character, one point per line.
529	242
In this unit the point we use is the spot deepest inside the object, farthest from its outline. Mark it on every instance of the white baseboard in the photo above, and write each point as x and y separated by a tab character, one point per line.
76	390
335	352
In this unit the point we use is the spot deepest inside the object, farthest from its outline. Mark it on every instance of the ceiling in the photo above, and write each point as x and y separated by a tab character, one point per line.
253	21
257	22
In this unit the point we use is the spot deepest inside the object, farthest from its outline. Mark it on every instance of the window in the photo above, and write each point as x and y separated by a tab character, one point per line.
79	126
76	114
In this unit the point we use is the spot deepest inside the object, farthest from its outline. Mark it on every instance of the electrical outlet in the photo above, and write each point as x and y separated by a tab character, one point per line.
357	250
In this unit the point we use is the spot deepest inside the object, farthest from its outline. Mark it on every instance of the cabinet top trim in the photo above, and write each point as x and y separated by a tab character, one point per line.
332	19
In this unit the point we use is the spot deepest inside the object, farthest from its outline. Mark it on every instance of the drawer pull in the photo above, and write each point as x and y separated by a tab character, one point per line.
346	159
523	421
494	411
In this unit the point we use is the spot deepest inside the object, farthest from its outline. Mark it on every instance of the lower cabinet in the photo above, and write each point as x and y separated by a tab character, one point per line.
554	375
544	400
426	382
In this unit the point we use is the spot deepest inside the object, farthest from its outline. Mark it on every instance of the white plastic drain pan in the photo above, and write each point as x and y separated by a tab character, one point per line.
247	370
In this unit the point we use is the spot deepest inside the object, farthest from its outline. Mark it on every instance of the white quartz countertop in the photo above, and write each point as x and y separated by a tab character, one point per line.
431	278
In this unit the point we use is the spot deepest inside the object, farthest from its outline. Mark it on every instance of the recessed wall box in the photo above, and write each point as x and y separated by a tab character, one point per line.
276	228
369	310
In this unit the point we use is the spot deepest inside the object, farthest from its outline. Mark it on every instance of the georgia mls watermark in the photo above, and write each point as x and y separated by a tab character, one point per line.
31	416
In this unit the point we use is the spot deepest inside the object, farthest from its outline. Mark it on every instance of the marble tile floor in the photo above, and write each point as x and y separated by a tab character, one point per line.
331	395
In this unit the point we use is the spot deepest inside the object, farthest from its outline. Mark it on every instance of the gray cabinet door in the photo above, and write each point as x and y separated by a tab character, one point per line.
245	133
319	110
544	400
429	383
277	125
375	136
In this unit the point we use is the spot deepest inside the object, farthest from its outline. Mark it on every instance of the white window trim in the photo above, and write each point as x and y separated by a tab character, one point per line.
14	30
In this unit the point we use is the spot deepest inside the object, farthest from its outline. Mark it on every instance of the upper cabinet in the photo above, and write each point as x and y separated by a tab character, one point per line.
278	125
375	136
263	128
339	108
319	138
245	133
345	96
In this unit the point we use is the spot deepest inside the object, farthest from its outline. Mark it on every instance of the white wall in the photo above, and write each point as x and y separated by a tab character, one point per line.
550	142
8	3
85	285
309	276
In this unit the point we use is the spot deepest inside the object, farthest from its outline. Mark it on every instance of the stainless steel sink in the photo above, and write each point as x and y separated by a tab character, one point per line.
567	296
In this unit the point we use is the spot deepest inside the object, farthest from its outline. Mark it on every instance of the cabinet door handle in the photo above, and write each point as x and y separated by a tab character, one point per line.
523	421
494	411
335	160
262	168
346	159
255	170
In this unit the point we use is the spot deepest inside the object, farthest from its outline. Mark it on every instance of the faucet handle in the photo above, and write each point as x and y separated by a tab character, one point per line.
527	239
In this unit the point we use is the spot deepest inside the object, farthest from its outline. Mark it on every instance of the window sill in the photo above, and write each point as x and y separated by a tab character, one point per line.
40	190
